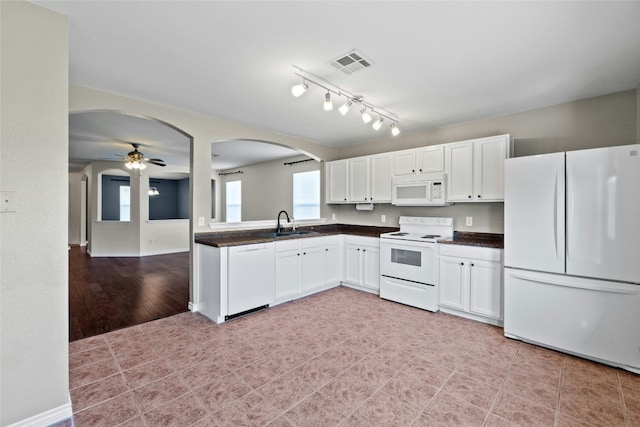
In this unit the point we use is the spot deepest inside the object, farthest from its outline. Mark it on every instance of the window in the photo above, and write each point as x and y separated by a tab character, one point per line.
306	195
125	203
233	196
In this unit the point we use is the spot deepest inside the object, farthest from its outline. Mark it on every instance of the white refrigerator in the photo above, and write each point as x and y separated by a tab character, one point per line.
572	253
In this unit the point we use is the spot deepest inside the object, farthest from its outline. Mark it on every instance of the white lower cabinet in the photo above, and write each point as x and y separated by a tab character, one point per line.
304	266
471	282
362	262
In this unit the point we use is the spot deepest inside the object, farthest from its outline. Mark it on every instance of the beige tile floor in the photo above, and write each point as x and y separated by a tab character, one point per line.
341	357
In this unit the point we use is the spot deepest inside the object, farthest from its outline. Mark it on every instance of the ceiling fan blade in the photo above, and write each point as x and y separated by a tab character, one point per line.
156	162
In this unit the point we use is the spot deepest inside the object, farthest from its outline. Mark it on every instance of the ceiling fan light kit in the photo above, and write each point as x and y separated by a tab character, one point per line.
299	89
135	159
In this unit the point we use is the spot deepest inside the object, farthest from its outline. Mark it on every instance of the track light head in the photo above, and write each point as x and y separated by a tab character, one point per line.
345	108
378	123
299	89
328	105
366	117
395	131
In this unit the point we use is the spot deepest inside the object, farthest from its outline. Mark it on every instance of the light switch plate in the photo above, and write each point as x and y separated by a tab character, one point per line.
469	221
201	221
8	201
383	218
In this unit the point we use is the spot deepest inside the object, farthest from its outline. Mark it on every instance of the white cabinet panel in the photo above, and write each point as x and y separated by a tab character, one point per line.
359	181
485	294
337	182
353	264
404	162
380	174
312	268
430	159
460	171
332	265
371	267
288	273
453	283
488	168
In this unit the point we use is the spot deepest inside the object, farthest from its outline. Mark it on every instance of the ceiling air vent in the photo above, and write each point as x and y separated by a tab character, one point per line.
351	62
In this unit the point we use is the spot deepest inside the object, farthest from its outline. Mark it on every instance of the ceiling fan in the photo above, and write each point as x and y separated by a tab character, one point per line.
136	160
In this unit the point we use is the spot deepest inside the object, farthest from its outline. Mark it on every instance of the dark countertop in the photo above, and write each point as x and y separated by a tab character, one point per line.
247	237
485	240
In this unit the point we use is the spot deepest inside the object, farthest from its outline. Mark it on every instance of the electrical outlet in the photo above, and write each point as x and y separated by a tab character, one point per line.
201	221
383	218
8	201
333	216
469	221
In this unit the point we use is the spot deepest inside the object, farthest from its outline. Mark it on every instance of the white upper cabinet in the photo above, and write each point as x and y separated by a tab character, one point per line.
419	160
359	182
475	169
337	184
380	178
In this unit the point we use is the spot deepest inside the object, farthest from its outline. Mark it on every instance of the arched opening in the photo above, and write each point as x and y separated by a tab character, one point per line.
121	228
256	179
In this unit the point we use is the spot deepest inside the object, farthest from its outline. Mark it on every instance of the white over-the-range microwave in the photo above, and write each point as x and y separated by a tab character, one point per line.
421	190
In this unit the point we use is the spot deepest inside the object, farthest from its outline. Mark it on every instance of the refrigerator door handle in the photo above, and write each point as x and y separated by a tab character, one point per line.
555	214
610	287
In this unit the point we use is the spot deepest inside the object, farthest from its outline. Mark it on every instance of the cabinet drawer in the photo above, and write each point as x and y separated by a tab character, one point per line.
312	242
474	252
287	245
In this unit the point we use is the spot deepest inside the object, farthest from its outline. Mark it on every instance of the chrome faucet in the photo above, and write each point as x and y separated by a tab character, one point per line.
279	227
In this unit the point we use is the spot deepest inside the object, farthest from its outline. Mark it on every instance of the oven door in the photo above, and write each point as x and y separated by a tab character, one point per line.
407	260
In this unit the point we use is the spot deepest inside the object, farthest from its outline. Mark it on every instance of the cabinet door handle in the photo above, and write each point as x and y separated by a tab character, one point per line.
345	199
479	196
304	253
358	248
326	250
472	264
462	263
469	196
298	254
420	170
364	250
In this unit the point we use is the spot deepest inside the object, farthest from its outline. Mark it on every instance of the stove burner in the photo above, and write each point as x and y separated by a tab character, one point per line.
430	236
398	234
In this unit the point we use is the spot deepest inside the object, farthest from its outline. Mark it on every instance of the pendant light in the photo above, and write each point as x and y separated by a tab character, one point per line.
345	108
328	105
378	123
299	89
366	117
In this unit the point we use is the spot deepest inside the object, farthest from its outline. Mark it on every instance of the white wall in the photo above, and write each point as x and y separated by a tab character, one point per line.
33	243
267	188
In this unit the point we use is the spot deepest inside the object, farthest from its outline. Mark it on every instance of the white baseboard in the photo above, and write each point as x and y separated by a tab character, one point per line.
47	418
193	307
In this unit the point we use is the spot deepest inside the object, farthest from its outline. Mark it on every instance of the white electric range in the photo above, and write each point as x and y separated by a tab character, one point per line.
409	261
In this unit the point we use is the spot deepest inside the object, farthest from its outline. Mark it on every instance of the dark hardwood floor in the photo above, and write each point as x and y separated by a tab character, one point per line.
106	294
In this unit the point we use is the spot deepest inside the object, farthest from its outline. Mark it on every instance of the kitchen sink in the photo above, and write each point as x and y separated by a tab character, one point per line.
285	233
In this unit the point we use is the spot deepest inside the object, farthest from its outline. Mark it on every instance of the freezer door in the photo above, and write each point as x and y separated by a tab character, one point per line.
603	213
534	213
592	318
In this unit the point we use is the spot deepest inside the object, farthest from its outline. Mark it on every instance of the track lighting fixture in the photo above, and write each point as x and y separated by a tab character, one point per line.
298	90
345	108
378	123
366	117
366	111
328	105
